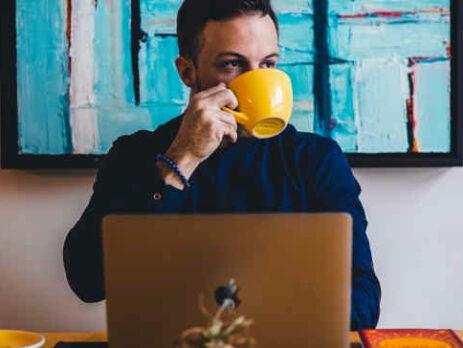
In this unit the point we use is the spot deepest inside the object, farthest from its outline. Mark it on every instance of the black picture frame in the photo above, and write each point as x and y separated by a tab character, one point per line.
11	159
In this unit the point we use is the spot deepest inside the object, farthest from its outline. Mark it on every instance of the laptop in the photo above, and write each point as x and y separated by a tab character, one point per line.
293	273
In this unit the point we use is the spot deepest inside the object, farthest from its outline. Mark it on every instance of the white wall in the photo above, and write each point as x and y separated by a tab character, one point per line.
416	233
36	211
415	229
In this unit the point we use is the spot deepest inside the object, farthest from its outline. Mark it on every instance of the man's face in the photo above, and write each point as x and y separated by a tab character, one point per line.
232	47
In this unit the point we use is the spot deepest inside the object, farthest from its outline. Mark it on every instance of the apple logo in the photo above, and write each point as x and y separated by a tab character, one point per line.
227	296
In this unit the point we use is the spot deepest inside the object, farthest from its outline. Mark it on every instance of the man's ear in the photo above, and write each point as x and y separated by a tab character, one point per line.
186	70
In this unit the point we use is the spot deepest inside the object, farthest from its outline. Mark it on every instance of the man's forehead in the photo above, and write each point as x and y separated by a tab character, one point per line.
242	35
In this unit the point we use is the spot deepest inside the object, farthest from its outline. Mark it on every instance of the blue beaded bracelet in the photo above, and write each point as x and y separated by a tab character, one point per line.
173	165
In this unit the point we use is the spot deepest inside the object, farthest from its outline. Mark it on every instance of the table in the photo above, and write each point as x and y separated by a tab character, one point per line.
53	337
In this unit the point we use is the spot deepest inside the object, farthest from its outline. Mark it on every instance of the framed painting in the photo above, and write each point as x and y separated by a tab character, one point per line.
378	76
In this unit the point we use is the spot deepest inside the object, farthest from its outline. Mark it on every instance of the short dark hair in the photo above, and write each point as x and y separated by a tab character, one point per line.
194	14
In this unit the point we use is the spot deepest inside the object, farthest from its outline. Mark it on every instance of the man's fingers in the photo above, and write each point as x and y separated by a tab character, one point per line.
210	91
228	119
231	133
223	98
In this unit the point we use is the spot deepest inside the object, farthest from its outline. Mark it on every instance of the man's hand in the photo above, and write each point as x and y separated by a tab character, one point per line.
203	127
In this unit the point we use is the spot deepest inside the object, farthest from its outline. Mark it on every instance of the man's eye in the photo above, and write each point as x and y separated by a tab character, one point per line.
269	64
231	64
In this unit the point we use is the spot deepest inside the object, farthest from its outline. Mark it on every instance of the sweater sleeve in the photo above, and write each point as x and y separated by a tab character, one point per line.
337	190
126	182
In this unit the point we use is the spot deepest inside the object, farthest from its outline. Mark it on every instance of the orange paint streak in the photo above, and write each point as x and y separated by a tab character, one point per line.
68	33
411	110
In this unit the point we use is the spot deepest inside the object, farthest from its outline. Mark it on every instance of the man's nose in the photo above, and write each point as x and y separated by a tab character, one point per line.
253	66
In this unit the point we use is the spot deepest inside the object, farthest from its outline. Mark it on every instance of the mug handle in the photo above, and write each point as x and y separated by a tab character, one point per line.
239	116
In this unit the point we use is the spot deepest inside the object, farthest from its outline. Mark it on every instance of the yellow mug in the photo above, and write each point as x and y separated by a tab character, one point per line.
265	101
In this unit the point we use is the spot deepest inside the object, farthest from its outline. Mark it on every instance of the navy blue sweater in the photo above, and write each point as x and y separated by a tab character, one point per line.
293	172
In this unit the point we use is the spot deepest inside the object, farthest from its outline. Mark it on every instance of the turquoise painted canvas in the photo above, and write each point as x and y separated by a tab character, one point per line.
372	74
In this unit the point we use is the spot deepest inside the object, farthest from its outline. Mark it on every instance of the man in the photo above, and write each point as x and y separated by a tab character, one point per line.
211	164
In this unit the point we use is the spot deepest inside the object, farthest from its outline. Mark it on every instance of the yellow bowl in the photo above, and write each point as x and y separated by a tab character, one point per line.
20	339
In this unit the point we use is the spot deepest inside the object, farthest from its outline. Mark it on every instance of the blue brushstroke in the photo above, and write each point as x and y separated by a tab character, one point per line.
160	82
293	6
302	81
356	42
163	13
433	106
104	89
108	62
296	38
342	98
42	77
114	122
381	101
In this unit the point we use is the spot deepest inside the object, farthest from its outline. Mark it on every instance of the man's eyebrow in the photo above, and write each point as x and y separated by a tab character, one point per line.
276	55
231	53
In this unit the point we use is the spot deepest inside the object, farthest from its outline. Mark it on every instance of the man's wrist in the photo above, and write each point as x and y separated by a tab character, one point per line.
186	163
169	176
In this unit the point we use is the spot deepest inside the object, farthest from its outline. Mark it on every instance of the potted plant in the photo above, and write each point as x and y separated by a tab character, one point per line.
226	329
